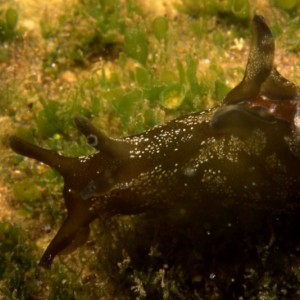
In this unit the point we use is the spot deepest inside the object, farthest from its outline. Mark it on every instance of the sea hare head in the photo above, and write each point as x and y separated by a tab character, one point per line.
84	177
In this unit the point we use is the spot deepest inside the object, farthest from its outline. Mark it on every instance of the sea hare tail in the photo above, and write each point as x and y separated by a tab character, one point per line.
259	65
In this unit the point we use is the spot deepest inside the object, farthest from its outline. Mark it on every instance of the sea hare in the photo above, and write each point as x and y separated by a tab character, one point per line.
244	153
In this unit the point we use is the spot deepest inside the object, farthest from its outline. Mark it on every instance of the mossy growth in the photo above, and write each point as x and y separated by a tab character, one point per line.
8	24
233	9
89	29
17	261
9	31
288	5
178	254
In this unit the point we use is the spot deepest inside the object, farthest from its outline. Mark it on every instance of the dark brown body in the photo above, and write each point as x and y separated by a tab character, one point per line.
243	154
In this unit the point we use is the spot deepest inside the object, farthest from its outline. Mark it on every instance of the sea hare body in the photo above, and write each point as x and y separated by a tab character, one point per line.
243	154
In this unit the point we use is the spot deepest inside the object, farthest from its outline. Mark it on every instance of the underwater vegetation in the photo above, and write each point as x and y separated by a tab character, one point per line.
125	66
8	23
222	186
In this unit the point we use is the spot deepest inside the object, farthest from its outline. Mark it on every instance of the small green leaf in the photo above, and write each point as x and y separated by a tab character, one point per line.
160	27
241	9
286	4
136	45
11	19
172	96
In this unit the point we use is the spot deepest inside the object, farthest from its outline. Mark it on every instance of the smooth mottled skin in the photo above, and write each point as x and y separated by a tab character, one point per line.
244	153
